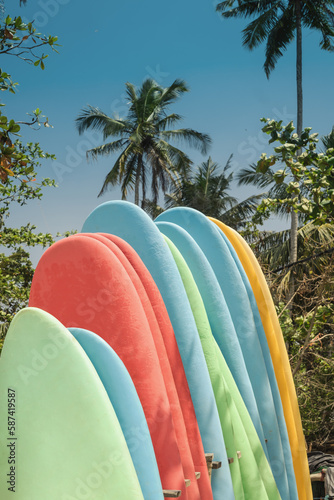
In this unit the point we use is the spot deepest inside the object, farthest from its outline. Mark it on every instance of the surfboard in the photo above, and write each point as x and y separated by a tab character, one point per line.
60	439
175	363
217	311
125	401
254	473
270	370
177	416
279	357
134	226
208	238
82	283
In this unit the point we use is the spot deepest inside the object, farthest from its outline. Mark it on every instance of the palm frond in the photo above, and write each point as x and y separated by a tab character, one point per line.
281	34
167	161
240	213
319	235
129	175
106	149
193	138
179	160
328	140
161	168
117	172
314	16
94	118
168	121
205	190
273	249
131	92
148	100
173	92
258	30
249	176
206	169
236	8
151	208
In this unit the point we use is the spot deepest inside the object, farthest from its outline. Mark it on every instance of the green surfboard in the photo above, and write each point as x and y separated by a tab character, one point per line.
60	437
251	474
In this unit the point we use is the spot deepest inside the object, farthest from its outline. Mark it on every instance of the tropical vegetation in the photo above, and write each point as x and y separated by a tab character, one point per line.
19	172
305	184
278	24
143	140
207	190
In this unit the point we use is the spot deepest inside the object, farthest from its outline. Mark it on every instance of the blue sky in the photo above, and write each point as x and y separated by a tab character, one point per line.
107	43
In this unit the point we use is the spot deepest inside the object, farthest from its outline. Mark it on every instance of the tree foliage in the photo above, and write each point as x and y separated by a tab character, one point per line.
207	190
303	183
309	176
19	173
144	139
275	23
278	24
308	329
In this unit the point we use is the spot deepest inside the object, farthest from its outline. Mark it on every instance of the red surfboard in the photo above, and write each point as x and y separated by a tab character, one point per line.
82	283
174	357
179	424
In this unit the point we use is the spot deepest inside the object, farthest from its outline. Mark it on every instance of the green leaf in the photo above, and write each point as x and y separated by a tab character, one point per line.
279	176
16	128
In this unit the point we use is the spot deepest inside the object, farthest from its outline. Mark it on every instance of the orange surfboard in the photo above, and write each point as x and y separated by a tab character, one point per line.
175	361
178	420
83	284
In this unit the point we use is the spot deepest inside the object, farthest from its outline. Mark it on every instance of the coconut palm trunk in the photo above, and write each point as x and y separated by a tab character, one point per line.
138	179
299	80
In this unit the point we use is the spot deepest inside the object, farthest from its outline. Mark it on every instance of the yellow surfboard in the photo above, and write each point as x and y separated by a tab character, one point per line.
279	358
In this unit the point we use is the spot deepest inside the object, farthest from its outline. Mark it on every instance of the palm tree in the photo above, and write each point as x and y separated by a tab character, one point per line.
328	140
279	22
142	139
250	176
207	191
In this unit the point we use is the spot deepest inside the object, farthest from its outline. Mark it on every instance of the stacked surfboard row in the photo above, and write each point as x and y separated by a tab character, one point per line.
145	346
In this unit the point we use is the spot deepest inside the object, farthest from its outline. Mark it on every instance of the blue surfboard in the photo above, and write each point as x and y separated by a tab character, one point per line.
125	401
245	434
219	316
253	470
233	288
133	225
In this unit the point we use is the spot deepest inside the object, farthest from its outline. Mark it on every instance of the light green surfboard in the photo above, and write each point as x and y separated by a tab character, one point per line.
251	474
60	437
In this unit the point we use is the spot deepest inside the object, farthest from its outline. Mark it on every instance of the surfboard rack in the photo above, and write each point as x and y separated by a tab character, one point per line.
209	459
231	460
171	493
211	464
